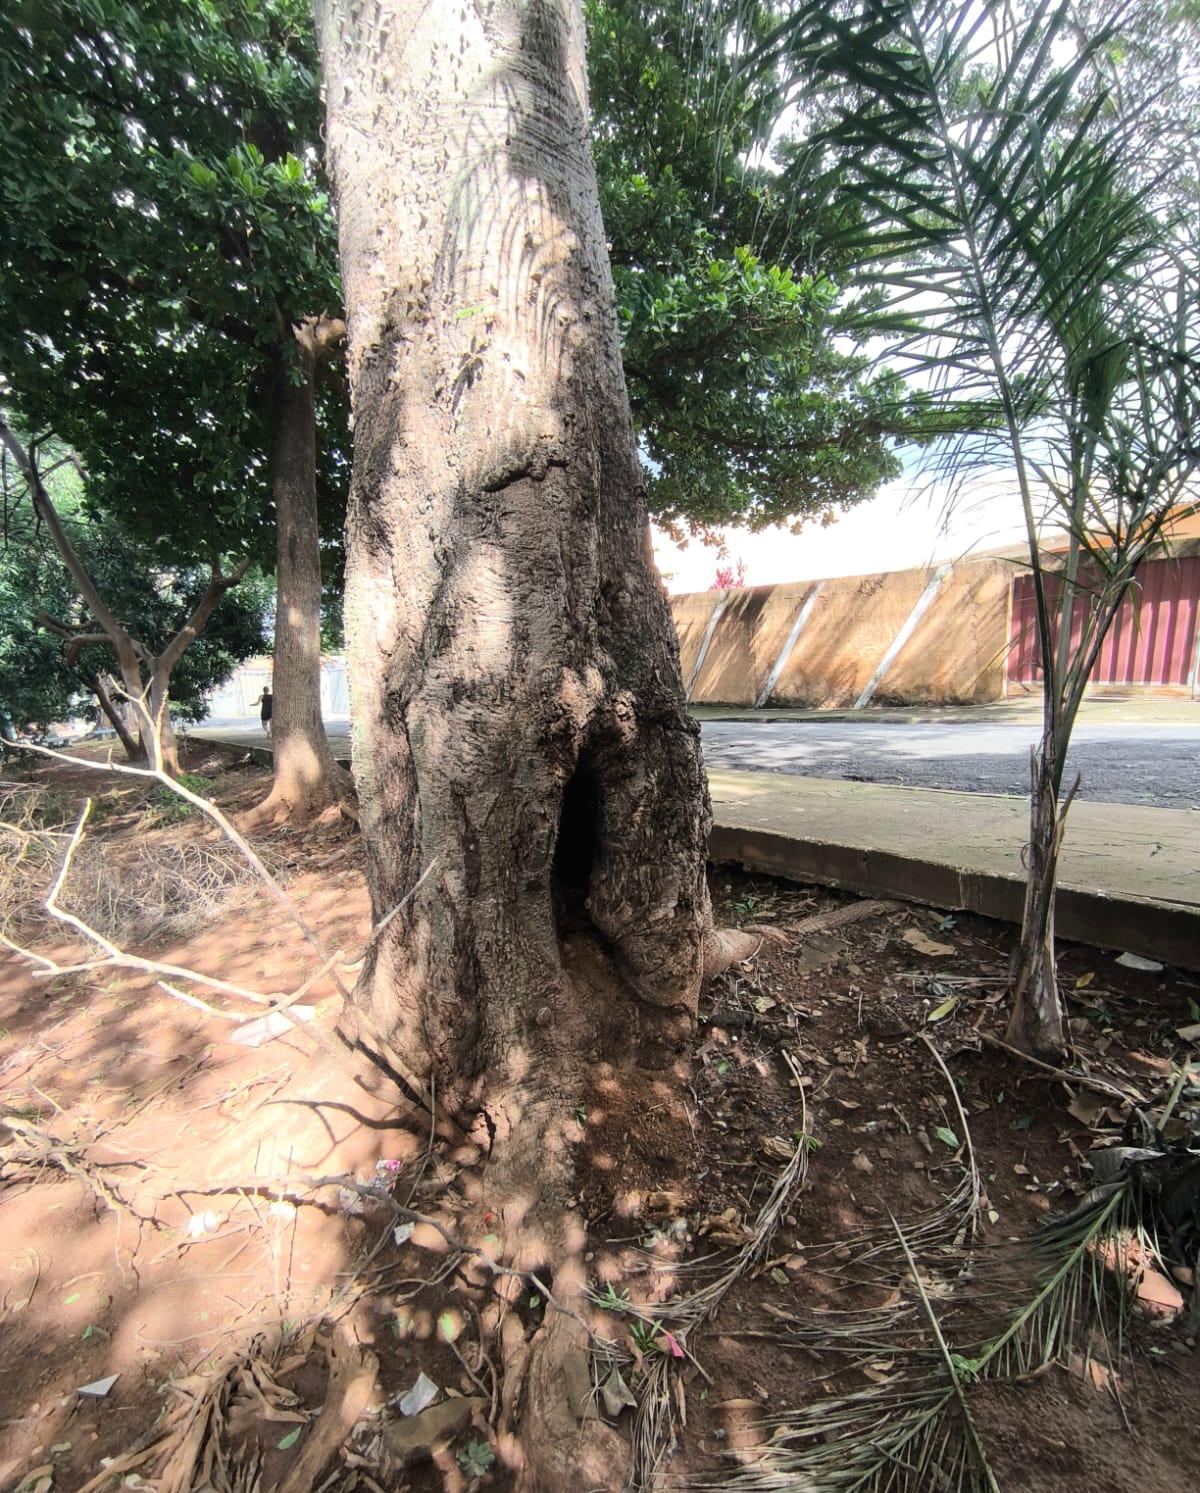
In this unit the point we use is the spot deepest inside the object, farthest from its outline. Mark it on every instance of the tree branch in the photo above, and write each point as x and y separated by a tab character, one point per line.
201	612
44	505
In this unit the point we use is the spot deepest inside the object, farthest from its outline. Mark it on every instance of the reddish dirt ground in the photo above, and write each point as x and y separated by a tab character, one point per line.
131	1115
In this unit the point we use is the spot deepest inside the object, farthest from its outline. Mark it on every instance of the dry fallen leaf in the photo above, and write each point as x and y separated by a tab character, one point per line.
1087	1108
917	940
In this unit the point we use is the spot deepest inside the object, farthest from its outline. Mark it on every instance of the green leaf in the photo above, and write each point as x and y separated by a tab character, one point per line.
939	1012
290	1439
201	175
1023	1122
947	1137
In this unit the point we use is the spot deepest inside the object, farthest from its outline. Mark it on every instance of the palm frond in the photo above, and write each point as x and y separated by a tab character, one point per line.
1061	1296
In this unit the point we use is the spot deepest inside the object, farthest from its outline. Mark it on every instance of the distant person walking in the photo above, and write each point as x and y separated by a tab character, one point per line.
265	700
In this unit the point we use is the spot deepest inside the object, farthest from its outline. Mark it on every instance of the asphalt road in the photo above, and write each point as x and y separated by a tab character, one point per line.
1129	763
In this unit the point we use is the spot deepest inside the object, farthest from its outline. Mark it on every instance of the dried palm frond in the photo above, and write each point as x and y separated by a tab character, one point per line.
200	1444
660	1405
949	1227
914	1431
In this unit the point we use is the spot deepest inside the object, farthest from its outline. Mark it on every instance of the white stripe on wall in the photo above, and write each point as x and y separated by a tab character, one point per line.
902	637
785	652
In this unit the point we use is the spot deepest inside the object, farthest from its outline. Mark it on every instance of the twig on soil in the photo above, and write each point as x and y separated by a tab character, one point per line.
48	1151
1067	1075
971	1221
210	811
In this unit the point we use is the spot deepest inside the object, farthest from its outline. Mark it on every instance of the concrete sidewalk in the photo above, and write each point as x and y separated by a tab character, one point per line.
1130	876
1135	707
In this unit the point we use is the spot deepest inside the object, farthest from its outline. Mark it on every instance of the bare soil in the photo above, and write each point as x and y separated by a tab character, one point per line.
156	1221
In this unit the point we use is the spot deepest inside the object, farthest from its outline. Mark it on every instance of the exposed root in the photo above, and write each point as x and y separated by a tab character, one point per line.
322	804
203	1443
352	1376
724	947
562	1442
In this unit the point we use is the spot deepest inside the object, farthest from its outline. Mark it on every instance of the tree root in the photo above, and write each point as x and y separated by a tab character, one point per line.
353	1372
555	1434
724	947
325	805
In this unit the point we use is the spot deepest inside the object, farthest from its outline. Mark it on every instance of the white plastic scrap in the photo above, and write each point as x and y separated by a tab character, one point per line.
419	1397
98	1387
202	1223
274	1024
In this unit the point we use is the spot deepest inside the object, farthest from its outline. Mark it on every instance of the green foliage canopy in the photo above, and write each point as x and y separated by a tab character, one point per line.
753	400
163	220
37	683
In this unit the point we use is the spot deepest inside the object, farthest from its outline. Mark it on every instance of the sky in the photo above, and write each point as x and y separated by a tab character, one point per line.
903	526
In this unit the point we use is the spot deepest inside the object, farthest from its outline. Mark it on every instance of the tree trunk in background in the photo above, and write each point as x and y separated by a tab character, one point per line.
112	710
306	778
159	696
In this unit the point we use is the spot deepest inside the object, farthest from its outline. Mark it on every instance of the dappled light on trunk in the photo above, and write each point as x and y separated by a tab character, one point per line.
520	730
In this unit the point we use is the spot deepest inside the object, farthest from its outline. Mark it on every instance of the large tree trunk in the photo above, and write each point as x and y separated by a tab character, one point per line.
519	723
306	778
519	716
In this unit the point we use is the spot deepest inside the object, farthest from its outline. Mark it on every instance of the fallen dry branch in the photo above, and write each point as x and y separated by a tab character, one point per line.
43	1149
212	813
840	917
1068	1075
118	958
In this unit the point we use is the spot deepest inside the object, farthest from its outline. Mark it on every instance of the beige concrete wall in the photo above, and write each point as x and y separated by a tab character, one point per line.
954	655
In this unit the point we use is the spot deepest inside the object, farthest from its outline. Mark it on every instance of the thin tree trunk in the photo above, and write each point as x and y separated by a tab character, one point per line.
159	701
306	778
137	695
113	711
149	700
1036	1020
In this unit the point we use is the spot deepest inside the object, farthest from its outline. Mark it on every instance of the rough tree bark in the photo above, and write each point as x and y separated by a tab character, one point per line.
1036	1021
306	778
519	718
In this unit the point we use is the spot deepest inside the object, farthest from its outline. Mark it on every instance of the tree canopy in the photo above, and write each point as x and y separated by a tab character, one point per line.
42	678
164	219
754	401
